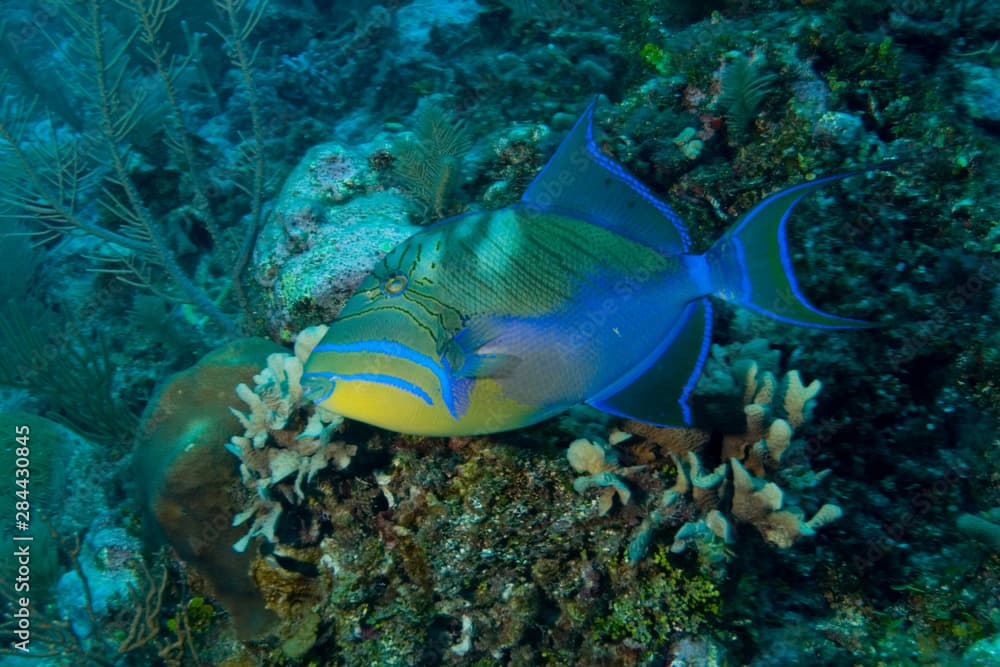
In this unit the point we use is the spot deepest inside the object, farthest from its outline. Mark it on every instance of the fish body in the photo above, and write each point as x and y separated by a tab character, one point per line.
585	291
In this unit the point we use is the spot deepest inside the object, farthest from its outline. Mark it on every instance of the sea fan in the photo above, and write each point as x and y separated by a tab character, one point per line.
430	160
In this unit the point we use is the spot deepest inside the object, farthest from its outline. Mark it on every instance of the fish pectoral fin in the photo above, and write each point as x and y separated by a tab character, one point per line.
488	365
474	352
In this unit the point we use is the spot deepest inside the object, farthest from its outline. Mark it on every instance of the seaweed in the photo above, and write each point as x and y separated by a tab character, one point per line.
69	369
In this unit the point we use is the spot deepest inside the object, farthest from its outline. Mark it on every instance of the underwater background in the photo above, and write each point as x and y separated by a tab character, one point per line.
186	186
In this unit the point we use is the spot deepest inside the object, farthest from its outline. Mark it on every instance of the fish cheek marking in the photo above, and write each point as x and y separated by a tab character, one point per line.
449	320
374	309
400	259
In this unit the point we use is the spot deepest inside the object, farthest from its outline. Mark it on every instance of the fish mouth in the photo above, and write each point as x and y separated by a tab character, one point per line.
317	387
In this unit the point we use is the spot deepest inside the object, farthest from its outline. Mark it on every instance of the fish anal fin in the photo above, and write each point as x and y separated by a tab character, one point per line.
658	390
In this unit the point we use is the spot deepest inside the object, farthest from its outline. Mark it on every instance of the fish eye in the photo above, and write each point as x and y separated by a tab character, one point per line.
395	284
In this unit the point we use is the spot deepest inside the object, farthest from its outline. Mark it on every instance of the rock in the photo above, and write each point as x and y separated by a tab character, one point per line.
107	559
981	93
838	128
331	223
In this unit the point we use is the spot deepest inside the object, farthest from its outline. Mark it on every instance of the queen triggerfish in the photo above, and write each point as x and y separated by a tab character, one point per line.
583	292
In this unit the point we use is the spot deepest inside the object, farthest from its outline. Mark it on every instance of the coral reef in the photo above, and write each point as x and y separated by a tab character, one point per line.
109	561
600	464
490	550
314	492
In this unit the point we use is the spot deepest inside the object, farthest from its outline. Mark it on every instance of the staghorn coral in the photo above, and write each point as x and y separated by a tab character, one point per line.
276	445
743	488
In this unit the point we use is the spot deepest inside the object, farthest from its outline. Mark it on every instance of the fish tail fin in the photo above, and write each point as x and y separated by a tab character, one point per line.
751	265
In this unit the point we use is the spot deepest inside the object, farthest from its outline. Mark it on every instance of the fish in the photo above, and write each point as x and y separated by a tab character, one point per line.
584	291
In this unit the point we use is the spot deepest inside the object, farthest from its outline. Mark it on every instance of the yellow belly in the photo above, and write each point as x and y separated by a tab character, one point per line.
395	409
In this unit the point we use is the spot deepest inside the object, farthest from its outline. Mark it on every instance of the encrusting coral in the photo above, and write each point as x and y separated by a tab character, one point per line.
743	487
276	446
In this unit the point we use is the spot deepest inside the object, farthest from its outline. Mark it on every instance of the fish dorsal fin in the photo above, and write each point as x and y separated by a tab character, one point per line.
659	389
581	180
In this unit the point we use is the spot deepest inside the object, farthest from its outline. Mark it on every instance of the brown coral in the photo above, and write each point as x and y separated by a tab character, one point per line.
600	464
275	446
744	487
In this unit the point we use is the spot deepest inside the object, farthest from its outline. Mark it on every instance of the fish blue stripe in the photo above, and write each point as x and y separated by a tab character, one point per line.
706	344
799	323
380	378
784	256
745	285
786	266
400	351
767	201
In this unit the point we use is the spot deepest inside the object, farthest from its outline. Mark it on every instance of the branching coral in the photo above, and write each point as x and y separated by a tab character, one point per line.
59	178
743	488
276	446
600	463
